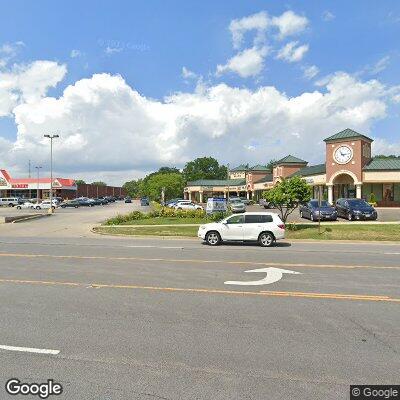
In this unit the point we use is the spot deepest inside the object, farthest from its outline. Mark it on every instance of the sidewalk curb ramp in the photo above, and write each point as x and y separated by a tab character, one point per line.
21	218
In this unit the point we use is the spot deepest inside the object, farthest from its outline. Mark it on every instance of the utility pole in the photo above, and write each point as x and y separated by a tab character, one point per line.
37	191
51	137
227	201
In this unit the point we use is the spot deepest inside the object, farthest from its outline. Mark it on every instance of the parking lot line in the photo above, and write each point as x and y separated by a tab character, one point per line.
197	261
29	350
310	295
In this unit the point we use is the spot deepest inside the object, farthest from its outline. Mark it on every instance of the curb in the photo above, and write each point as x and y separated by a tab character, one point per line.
37	216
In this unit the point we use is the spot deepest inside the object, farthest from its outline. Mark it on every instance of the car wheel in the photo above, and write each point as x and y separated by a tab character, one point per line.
266	239
37	208
18	207
11	205
213	238
350	217
179	208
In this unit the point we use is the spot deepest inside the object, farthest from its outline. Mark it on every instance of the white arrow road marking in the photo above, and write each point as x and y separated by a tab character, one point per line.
273	275
29	350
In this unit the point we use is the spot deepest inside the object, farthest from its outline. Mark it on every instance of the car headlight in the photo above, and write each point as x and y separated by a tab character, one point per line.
357	212
202	227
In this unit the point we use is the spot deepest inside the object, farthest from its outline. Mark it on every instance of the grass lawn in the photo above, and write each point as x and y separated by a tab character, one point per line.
329	232
165	221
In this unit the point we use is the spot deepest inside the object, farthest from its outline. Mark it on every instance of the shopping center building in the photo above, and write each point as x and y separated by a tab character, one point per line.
66	188
349	171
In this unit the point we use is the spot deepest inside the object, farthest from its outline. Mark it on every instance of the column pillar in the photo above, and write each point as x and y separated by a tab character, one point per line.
358	190
201	196
189	195
248	195
330	194
224	195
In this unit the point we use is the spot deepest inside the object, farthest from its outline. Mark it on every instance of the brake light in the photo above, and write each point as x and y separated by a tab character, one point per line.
282	226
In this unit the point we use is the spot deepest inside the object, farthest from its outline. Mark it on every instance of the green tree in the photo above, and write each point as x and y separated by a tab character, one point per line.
99	183
134	188
204	168
172	182
80	182
288	195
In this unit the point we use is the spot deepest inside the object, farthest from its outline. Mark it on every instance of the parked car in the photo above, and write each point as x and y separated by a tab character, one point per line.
263	227
237	206
128	199
144	201
245	200
172	203
86	202
27	204
313	211
100	201
9	201
70	204
355	209
46	204
187	205
266	204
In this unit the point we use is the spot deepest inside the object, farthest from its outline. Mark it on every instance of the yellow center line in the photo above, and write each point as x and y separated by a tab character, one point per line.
271	264
311	295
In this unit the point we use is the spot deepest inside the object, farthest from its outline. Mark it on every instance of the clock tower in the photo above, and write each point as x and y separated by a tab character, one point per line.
347	153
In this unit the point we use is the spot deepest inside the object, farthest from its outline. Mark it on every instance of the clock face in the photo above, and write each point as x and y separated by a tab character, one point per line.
343	154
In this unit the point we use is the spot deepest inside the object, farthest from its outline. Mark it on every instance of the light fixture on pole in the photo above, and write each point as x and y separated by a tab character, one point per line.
51	137
37	191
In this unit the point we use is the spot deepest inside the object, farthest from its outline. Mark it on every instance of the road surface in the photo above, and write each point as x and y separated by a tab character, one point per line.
153	319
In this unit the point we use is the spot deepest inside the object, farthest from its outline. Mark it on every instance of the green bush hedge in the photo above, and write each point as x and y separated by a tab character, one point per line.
165	212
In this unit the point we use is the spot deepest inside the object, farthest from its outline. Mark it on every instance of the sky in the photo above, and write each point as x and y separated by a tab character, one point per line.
132	86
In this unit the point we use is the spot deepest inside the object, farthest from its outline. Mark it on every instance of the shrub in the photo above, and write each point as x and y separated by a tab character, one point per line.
217	216
372	198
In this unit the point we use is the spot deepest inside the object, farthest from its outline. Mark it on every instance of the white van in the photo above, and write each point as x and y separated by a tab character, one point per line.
9	201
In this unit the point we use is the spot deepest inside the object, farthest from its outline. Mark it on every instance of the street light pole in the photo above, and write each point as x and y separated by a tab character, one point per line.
37	191
51	137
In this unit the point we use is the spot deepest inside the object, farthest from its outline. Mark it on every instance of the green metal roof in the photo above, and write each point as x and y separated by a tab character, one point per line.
217	182
346	134
383	164
290	160
260	167
266	178
311	170
240	168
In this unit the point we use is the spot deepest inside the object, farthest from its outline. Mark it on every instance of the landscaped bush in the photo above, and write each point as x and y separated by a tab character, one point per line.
120	219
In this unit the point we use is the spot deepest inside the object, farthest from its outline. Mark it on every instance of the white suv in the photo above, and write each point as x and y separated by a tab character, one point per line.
187	205
264	227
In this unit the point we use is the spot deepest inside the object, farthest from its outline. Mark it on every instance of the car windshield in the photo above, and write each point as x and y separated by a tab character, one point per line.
357	203
324	203
236	201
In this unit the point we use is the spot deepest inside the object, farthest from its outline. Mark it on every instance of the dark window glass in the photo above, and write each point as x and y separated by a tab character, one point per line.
237	219
258	219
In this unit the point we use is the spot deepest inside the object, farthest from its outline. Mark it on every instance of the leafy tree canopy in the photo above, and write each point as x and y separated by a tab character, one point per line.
134	188
288	195
99	183
80	182
204	168
173	183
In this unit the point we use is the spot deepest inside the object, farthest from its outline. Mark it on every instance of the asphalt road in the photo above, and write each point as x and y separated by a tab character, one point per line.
153	319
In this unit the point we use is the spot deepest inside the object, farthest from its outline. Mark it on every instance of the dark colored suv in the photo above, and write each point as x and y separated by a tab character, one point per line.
355	209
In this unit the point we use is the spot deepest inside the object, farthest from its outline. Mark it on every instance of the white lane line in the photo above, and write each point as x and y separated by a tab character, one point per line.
154	247
29	350
392	254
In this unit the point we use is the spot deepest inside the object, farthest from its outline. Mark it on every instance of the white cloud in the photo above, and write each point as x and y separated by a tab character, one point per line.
75	53
290	23
27	83
238	27
328	16
291	52
311	71
380	65
8	51
249	62
107	127
187	74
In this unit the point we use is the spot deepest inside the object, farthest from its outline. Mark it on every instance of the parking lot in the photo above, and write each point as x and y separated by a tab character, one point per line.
384	214
69	222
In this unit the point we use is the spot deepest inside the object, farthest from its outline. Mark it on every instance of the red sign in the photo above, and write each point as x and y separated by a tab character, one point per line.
19	186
